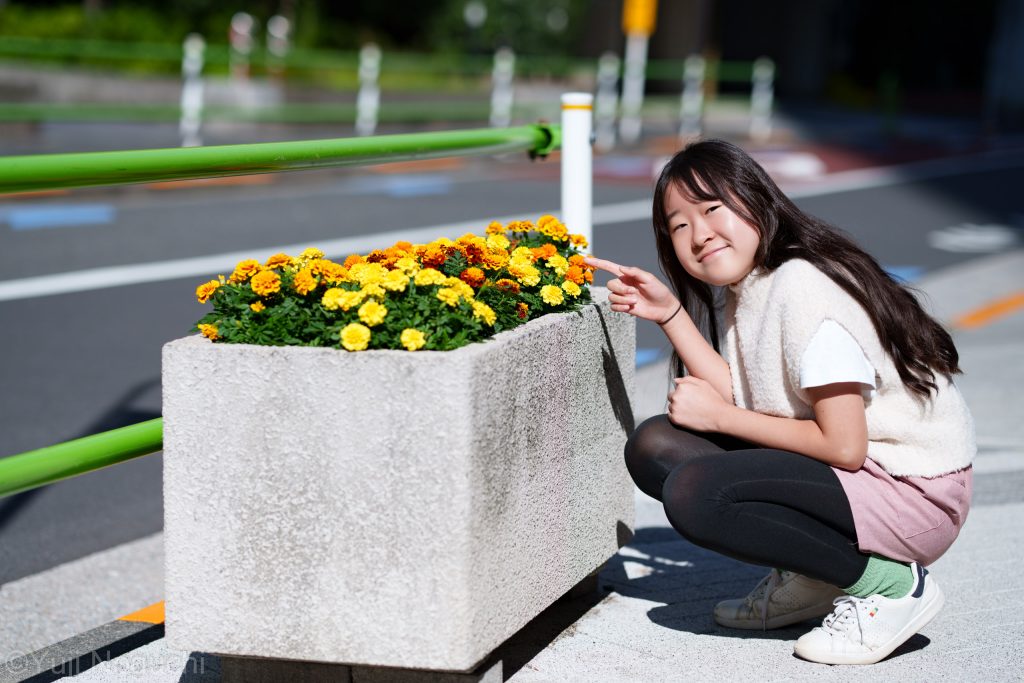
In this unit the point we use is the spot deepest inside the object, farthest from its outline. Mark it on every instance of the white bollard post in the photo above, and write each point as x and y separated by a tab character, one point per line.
278	44
761	96
633	87
240	39
577	164
691	108
501	83
191	90
368	99
606	104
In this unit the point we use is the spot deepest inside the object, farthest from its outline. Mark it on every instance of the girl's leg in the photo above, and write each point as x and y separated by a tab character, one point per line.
768	507
657	447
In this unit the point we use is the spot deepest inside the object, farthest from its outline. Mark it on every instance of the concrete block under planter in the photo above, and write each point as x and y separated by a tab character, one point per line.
389	508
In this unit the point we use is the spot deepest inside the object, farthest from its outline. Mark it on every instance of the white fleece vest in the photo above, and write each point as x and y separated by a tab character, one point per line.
770	318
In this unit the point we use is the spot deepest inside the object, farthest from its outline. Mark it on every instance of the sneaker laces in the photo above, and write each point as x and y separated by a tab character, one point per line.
767	585
846	614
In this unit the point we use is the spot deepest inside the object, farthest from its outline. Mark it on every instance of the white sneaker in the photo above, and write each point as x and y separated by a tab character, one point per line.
867	630
781	599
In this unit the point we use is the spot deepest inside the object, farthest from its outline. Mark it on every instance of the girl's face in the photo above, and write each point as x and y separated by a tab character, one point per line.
712	243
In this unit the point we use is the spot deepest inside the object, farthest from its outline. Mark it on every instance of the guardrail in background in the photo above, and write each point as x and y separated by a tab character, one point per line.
44	466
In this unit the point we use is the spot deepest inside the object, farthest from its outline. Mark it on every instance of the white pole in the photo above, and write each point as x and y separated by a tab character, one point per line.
368	99
278	31
577	174
691	108
606	104
191	90
633	87
240	38
761	96
502	93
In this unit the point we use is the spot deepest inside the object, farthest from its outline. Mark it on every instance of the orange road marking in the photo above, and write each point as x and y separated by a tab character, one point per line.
990	312
419	165
256	179
154	614
33	193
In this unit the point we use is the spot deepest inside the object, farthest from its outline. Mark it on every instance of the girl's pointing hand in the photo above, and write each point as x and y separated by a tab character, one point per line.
636	291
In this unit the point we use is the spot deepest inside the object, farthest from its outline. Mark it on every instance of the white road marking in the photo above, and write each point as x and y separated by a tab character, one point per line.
972	238
622	212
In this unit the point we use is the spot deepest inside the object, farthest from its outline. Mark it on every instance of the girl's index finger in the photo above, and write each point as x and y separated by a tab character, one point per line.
609	266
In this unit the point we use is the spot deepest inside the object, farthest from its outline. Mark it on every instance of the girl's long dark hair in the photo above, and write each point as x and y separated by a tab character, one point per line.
715	170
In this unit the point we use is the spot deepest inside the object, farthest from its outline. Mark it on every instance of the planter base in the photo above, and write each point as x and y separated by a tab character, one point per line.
250	670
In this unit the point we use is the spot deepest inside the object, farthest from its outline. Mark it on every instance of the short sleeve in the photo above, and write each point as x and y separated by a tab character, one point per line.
832	356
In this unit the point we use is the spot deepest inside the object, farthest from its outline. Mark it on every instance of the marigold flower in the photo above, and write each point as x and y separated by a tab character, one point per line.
206	290
551	295
265	283
279	259
429	276
331	299
407	265
464	290
257	307
588	276
367	273
577	260
208	331
571	288
519	226
435	256
506	285
351	260
526	274
558	264
376	256
374	289
372	313
395	281
331	272
495	228
496	259
522	254
304	282
482	311
404	246
574	274
311	254
544	251
449	296
412	339
522	310
476	252
579	241
355	337
498	241
244	270
474	277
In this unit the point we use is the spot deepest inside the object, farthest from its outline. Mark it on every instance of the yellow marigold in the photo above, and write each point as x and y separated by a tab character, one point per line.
332	298
482	311
280	259
244	270
331	272
413	339
474	277
496	259
355	337
349	300
468	238
551	295
304	282
395	281
522	253
311	254
429	276
579	241
495	228
526	274
257	307
206	290
374	290
449	296
498	241
464	290
372	313
367	273
265	283
558	264
208	331
571	288
553	228
519	226
408	265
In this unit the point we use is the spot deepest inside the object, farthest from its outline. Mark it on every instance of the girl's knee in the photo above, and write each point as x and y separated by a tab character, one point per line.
690	507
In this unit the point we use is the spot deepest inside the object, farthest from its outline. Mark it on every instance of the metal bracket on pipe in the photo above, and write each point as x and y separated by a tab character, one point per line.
552	141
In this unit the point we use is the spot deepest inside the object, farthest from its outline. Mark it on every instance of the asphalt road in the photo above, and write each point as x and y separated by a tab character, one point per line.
73	364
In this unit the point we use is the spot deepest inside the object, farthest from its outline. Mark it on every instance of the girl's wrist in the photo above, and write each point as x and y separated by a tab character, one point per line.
672	315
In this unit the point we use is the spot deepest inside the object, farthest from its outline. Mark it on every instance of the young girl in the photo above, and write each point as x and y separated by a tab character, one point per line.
827	440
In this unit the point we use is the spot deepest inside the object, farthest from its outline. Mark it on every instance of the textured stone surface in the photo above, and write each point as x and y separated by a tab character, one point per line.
391	508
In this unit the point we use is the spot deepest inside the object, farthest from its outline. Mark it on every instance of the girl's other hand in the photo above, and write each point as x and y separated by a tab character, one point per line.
636	291
695	404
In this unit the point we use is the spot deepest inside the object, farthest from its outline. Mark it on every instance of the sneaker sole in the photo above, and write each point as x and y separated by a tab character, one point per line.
919	622
779	621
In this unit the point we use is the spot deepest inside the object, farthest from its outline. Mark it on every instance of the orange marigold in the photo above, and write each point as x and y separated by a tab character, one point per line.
588	276
575	274
352	260
522	310
403	245
376	256
434	257
206	290
208	331
495	228
265	283
280	259
577	260
474	277
506	285
332	272
304	282
476	252
244	270
544	251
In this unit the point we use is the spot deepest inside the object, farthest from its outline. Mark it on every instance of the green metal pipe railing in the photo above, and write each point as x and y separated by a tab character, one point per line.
58	171
33	469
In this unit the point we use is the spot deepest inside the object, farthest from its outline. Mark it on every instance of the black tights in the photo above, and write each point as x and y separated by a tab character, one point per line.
758	505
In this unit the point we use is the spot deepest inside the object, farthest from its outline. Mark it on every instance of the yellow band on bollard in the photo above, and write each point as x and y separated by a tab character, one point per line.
587	107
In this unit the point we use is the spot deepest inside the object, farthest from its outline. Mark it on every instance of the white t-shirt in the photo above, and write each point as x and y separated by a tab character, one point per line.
832	356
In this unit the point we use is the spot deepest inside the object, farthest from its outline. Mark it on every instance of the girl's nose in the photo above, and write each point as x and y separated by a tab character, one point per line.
702	234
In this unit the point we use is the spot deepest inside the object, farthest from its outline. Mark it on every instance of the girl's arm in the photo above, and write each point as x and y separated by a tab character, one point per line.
838	434
643	295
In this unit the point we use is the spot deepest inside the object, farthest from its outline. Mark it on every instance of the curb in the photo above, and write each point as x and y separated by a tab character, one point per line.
80	653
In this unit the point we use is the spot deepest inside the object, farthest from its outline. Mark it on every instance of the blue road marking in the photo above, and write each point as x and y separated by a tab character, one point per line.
905	273
647	356
404	185
57	216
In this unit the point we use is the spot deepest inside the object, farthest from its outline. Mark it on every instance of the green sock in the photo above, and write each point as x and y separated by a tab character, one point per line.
885	577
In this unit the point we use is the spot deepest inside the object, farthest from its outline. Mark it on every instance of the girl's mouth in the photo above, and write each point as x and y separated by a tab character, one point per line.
708	255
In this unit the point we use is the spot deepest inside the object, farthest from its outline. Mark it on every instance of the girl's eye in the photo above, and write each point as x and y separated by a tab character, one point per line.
711	208
679	227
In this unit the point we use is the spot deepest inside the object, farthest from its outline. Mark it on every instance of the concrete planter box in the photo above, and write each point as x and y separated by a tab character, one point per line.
386	508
